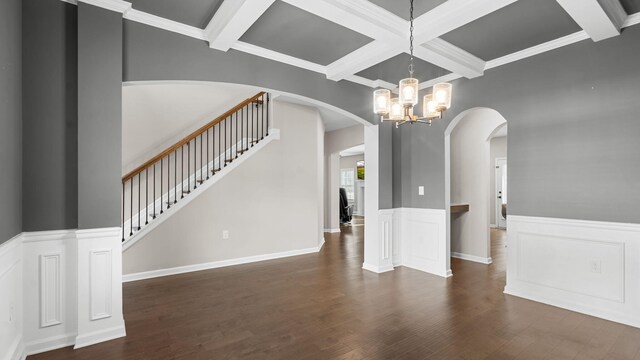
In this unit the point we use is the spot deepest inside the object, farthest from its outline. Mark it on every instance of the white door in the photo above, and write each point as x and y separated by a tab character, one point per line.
501	192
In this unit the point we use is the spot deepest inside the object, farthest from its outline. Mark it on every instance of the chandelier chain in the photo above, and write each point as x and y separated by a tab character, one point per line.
411	37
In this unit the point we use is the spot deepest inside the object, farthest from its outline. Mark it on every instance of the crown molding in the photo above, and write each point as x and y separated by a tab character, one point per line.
113	5
372	83
538	49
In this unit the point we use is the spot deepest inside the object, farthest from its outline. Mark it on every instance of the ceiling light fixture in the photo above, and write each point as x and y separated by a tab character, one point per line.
400	110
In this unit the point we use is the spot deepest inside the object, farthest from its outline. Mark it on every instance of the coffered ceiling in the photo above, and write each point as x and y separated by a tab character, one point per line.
367	41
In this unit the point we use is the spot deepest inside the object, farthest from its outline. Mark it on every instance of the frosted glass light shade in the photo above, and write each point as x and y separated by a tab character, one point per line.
397	110
429	107
409	92
442	96
381	101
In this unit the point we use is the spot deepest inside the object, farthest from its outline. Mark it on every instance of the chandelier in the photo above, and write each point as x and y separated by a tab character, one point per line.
400	109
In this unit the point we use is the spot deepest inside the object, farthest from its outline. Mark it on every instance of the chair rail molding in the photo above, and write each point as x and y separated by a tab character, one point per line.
590	267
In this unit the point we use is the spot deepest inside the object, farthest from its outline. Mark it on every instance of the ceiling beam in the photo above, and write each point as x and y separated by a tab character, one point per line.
232	20
600	19
446	17
361	16
451	57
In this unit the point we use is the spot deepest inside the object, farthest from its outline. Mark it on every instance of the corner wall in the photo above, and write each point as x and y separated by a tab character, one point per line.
270	204
11	117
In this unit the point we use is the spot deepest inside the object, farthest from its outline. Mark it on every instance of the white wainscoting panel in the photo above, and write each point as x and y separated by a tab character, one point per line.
50	289
586	266
99	309
100	284
417	238
11	314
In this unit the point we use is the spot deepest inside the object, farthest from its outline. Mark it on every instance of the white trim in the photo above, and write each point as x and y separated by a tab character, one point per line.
98	233
165	24
377	269
537	49
446	17
632	19
497	209
276	56
274	134
48	344
591	224
451	57
16	349
600	19
232	20
99	336
332	231
473	258
113	5
217	264
54	235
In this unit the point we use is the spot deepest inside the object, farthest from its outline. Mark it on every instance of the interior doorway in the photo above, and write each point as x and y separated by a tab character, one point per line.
471	194
500	203
352	175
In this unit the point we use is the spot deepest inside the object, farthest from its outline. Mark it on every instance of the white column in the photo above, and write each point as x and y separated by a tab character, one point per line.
99	286
377	248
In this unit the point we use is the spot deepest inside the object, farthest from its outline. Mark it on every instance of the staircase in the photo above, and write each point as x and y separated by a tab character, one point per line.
156	188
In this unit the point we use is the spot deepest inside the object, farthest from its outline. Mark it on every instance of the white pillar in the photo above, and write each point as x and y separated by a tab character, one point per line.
99	286
377	248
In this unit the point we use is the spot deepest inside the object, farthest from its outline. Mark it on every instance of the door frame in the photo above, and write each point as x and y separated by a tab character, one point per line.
497	208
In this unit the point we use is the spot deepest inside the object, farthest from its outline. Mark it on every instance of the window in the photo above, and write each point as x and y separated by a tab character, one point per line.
347	181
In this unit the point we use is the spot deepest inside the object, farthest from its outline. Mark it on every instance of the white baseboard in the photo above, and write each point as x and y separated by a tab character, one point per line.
100	336
473	258
321	243
332	231
15	350
216	264
52	343
377	269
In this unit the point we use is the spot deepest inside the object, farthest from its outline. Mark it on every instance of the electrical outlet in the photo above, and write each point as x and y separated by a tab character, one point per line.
225	234
420	190
596	266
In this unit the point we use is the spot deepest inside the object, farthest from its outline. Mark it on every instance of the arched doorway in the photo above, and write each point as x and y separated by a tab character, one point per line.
468	184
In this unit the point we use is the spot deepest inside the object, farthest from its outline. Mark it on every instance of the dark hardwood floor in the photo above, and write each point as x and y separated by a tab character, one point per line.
324	306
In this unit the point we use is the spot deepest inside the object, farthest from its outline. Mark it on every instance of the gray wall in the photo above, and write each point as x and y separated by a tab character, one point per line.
50	120
154	54
10	119
99	117
573	132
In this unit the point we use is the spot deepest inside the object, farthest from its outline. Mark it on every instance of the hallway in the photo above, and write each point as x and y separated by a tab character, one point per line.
324	306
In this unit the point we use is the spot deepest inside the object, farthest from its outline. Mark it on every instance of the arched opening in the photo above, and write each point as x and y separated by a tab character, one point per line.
469	164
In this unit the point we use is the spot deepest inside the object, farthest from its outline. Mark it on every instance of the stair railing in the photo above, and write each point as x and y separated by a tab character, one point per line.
154	187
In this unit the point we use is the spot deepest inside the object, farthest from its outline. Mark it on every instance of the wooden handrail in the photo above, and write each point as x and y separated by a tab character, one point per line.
187	139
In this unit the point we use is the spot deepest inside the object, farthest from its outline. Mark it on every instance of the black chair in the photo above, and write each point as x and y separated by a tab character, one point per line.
346	210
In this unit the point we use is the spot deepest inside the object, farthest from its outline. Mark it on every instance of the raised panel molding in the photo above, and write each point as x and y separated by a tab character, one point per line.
586	266
100	284
417	238
51	289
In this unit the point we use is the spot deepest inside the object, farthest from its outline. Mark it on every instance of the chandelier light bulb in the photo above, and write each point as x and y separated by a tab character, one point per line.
442	95
430	107
397	110
381	101
409	92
